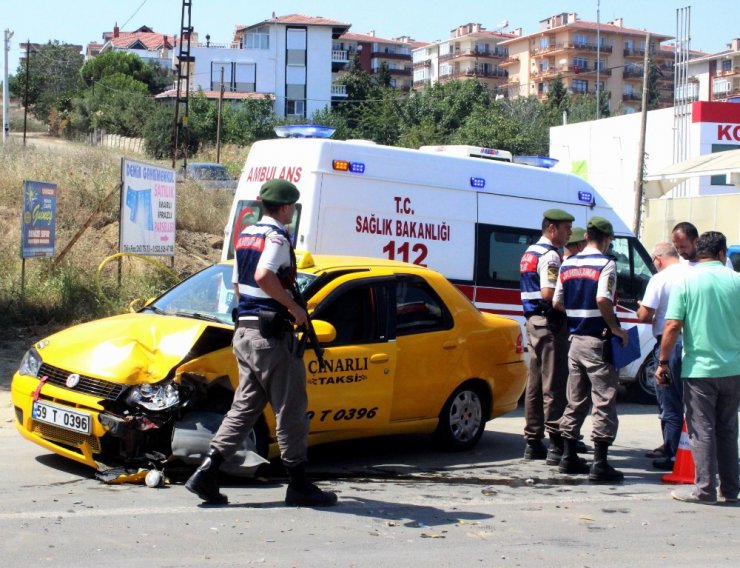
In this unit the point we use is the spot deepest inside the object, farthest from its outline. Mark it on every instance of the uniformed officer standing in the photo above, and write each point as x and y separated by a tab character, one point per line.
585	291
547	339
576	243
265	349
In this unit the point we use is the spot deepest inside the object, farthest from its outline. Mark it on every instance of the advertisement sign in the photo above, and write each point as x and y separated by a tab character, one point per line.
38	224
147	209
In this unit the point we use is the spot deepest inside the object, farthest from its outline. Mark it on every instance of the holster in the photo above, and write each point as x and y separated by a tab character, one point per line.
555	319
272	324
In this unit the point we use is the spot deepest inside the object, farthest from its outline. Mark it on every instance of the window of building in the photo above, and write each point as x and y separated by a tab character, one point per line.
295	108
580	63
544	42
580	39
601	63
257	39
726	65
579	86
238	77
723	179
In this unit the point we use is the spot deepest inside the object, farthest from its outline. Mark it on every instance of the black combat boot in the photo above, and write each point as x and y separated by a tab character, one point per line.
303	493
601	471
555	449
570	462
204	482
535	450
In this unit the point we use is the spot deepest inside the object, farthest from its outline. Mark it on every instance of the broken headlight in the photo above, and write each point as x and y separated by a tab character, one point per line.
159	396
31	363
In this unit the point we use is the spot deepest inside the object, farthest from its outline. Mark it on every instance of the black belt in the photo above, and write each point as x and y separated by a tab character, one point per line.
251	324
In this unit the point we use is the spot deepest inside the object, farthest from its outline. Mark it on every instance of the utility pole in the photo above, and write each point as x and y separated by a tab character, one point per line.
641	145
218	121
598	58
6	100
25	98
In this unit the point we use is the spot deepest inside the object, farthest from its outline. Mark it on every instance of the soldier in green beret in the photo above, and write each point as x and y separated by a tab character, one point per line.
585	292
547	339
264	343
576	243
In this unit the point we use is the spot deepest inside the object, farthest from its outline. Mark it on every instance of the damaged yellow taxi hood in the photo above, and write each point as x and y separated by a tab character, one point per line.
129	349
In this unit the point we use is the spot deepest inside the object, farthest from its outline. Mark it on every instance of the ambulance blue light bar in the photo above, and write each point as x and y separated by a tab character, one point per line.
586	197
478	183
304	131
345	166
539	161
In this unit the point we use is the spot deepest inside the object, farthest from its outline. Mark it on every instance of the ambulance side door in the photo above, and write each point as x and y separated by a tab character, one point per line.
354	386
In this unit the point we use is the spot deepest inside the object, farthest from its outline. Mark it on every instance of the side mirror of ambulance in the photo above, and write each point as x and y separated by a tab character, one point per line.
325	331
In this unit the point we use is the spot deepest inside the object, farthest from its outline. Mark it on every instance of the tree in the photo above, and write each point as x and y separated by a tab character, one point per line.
654	76
159	136
53	78
557	96
155	77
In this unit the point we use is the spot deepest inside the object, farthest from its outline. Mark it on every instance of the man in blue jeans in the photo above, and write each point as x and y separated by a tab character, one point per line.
704	306
652	310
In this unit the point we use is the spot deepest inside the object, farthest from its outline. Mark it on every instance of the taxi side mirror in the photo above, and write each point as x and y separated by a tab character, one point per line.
325	332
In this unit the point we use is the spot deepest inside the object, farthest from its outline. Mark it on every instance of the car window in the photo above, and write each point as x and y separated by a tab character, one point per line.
418	308
210	173
500	251
357	313
634	270
249	212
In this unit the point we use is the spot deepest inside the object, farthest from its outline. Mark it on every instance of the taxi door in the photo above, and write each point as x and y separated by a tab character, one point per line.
353	388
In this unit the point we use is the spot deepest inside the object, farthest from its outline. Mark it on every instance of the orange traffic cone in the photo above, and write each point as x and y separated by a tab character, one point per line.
683	468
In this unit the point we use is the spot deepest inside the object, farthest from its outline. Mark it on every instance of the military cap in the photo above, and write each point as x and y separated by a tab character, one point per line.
577	235
601	224
279	191
558	215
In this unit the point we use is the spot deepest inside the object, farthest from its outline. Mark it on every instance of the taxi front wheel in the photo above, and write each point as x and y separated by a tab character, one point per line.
462	422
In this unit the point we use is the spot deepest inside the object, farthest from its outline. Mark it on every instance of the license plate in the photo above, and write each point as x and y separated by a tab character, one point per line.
62	417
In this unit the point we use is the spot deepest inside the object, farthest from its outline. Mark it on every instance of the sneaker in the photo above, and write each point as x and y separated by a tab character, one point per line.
602	472
689	496
535	450
665	464
573	466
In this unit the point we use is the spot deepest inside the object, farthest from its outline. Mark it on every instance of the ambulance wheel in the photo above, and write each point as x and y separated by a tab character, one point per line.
463	418
643	389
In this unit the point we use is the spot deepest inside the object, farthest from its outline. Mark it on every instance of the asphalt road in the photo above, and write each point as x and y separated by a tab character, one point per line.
402	503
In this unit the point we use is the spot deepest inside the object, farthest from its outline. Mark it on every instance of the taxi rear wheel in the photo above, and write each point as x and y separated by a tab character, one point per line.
462	420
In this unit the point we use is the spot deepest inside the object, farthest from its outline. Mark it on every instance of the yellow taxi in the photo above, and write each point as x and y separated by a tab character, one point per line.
404	352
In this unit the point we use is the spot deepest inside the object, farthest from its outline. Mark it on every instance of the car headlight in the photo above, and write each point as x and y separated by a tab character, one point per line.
31	363
160	396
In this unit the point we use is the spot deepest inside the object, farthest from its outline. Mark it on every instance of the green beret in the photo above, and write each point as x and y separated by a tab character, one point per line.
558	215
601	224
577	235
279	191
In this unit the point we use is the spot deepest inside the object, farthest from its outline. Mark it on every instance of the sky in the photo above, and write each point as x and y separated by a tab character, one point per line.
82	21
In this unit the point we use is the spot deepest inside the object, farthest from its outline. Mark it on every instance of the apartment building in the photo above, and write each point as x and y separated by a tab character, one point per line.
585	54
287	57
372	52
472	52
144	42
714	77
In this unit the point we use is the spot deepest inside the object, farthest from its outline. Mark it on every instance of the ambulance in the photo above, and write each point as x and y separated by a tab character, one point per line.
466	213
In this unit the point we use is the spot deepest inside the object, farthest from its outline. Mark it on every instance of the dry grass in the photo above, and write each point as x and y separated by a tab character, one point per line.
84	176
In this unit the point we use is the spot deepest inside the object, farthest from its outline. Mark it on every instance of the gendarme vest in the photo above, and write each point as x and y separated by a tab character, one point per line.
529	279
248	250
579	276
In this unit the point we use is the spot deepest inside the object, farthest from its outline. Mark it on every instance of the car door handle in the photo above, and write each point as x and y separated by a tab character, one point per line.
379	358
449	345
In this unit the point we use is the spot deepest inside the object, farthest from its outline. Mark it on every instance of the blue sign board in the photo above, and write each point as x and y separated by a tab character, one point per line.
38	224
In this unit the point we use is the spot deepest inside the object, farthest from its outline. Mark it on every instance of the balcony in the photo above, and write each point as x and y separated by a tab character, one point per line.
476	72
422	64
339	91
339	56
688	94
403	71
571	47
509	61
390	55
726	94
633	74
634	52
474	54
421	83
729	72
631	97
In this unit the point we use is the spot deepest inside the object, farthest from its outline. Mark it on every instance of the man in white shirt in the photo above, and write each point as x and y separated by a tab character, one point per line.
652	310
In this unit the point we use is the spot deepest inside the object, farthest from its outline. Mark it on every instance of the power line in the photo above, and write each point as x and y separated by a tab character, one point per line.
134	14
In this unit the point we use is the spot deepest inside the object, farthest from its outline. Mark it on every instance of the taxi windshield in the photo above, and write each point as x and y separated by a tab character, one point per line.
208	295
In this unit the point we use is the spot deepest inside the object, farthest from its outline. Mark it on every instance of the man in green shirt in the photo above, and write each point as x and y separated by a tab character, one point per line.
705	305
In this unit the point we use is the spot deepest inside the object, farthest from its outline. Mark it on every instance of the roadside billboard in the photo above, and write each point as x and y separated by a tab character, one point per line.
147	209
38	224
